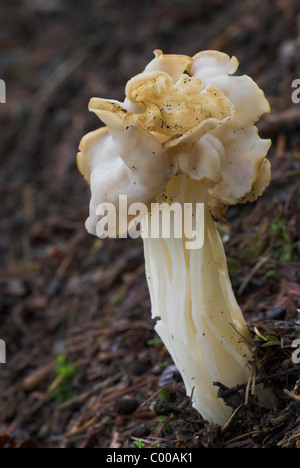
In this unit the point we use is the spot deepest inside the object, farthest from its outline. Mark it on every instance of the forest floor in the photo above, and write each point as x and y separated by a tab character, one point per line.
84	365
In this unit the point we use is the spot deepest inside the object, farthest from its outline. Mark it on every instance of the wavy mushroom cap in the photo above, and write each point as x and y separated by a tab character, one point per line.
182	115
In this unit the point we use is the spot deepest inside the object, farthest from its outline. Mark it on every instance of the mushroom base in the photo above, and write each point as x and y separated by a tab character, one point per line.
197	315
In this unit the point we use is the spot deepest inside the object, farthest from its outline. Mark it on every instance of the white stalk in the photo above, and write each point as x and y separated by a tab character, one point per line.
197	315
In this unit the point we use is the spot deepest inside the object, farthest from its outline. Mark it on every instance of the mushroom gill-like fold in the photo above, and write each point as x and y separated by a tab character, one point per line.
201	161
262	180
178	112
114	162
231	163
248	99
244	153
173	65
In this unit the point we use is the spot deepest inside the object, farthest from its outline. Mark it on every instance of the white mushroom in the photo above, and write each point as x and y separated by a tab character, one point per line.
185	133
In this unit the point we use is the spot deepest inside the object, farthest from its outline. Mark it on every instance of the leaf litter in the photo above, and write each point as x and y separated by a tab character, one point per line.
84	366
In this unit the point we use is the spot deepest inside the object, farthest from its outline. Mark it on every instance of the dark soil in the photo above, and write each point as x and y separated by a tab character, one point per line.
84	366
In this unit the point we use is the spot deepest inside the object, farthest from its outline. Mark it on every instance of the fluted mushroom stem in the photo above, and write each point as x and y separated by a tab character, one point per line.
198	317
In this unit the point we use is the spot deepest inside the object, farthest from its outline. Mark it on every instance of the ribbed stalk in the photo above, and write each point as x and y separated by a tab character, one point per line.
198	317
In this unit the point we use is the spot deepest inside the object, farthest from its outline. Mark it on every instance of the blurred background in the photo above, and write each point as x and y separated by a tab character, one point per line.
74	310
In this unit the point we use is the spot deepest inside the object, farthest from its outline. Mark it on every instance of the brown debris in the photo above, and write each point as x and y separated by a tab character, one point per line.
67	297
